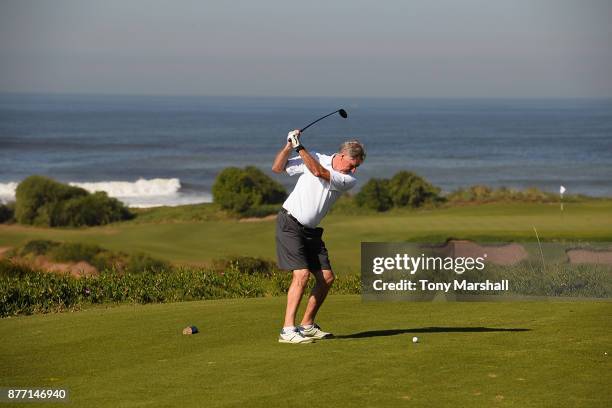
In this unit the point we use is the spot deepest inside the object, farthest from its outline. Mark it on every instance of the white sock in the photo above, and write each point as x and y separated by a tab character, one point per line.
308	326
288	329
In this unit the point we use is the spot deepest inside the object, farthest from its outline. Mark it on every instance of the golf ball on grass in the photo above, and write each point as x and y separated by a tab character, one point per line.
415	339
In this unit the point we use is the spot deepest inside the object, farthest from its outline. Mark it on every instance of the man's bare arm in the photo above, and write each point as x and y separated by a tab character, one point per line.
280	161
314	166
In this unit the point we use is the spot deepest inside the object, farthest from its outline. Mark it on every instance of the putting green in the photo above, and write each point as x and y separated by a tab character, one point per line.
469	354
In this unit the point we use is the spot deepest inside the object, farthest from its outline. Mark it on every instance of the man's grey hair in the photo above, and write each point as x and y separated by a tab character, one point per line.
354	149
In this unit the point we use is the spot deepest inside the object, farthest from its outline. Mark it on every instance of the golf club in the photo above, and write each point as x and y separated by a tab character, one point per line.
342	113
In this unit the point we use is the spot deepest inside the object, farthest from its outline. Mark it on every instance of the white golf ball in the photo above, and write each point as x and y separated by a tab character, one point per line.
415	339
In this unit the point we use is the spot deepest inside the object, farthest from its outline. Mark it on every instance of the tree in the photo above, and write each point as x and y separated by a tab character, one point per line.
375	195
240	190
45	202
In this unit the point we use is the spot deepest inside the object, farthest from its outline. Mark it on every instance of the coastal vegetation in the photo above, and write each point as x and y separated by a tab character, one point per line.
404	189
42	201
247	191
120	278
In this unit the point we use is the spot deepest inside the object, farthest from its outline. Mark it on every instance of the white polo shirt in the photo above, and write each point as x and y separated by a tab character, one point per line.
312	196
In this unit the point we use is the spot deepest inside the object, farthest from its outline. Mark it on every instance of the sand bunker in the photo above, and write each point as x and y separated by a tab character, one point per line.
77	270
507	254
510	254
74	269
585	256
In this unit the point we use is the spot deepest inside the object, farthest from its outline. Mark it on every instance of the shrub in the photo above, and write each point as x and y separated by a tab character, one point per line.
45	202
144	263
37	199
482	194
474	193
26	291
93	209
271	191
234	190
38	247
404	189
407	189
109	260
7	213
247	265
239	190
74	252
375	195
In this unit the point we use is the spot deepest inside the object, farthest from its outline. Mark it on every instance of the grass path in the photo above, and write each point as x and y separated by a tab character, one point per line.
470	354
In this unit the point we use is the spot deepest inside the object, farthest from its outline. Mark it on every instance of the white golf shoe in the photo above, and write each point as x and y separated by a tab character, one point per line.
314	332
293	337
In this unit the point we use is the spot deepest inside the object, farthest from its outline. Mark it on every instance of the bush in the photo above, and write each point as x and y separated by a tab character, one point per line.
7	213
404	189
26	291
247	265
38	247
239	190
45	202
74	252
93	209
38	198
375	195
144	263
410	190
271	191
484	194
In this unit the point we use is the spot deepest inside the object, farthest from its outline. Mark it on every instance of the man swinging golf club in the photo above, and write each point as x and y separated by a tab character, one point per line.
299	247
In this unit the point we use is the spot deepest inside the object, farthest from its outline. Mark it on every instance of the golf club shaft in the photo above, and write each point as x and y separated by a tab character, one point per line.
321	118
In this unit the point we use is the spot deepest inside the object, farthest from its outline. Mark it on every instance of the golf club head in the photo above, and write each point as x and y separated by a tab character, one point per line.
342	113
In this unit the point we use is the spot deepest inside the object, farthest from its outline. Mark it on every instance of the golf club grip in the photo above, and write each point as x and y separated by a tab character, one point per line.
321	118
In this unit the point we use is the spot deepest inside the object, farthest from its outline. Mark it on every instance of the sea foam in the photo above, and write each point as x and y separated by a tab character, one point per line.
139	188
7	192
141	193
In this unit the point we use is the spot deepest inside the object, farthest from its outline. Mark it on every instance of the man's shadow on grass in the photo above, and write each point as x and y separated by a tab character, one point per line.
394	332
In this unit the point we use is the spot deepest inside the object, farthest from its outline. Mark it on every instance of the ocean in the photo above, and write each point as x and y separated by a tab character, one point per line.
161	150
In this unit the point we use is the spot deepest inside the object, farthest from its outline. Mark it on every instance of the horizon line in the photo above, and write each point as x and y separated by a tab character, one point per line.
247	96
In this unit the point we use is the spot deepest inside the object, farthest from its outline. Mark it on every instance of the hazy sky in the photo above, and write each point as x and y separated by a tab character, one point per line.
409	48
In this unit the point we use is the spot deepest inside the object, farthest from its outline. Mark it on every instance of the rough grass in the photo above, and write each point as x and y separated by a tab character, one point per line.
469	355
27	291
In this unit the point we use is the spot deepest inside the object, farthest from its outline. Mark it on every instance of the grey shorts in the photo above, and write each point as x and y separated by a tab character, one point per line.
299	247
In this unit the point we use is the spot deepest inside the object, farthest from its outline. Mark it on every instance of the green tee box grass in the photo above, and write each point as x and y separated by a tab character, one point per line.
545	354
187	238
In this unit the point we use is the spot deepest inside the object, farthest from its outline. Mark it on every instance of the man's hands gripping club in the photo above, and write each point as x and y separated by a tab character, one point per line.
293	142
313	165
293	137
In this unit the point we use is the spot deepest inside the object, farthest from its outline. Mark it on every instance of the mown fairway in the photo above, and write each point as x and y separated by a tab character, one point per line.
200	242
469	355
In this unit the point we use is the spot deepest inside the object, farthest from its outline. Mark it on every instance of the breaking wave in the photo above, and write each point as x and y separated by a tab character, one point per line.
141	193
7	192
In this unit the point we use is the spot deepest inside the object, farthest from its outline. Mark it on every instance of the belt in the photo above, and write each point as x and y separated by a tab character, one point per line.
284	211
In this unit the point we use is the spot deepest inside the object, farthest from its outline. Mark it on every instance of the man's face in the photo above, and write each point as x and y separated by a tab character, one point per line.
347	164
